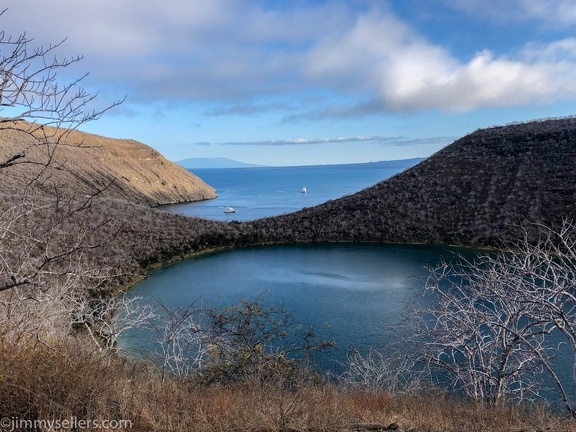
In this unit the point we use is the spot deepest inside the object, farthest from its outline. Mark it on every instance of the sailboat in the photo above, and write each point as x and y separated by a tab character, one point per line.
303	189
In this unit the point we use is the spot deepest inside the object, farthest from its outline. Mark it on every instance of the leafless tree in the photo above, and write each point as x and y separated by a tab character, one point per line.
491	325
183	343
548	270
44	235
393	371
105	319
31	313
36	100
251	339
40	237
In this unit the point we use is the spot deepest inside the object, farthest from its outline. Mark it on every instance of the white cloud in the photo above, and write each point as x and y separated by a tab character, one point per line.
400	141
485	81
382	53
231	50
560	51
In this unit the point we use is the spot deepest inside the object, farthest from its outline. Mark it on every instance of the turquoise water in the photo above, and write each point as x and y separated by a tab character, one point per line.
352	294
260	192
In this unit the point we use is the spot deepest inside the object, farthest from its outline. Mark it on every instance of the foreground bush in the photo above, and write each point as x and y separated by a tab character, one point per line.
64	379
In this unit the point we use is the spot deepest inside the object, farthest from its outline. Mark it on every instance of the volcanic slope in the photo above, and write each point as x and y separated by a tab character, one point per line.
85	163
473	192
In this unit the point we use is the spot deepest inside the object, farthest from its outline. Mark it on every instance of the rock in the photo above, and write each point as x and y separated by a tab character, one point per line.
367	427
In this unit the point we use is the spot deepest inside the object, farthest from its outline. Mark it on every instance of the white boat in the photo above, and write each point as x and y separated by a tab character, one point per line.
229	209
303	189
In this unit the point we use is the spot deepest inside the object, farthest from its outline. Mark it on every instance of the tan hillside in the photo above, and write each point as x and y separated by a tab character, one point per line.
86	163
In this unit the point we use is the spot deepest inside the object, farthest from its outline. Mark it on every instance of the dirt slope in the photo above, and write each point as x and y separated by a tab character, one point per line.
85	163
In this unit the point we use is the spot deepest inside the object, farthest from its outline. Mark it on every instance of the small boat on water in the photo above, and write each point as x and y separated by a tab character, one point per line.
303	189
229	209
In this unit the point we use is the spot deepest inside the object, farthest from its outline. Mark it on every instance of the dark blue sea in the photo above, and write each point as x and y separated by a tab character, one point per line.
260	192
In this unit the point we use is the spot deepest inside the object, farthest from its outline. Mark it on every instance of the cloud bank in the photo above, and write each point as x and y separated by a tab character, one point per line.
382	140
226	51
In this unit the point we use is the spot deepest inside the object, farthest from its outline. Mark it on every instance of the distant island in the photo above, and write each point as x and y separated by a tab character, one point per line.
388	164
218	162
222	162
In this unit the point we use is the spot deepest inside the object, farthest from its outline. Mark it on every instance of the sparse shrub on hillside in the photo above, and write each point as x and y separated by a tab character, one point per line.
250	339
391	372
58	381
241	341
67	380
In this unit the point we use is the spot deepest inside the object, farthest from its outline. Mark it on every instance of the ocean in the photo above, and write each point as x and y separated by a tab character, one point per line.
269	191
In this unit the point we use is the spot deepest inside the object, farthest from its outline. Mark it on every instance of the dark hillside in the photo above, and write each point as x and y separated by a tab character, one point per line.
472	192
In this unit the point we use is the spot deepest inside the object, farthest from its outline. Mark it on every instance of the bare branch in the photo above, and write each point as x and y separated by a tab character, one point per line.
490	324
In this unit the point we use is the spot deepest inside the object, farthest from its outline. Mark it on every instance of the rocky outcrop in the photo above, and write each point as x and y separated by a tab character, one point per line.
85	163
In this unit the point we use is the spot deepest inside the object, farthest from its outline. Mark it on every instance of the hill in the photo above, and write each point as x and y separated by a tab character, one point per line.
85	163
473	192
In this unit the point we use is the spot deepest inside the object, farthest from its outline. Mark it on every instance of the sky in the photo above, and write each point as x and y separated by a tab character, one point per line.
301	82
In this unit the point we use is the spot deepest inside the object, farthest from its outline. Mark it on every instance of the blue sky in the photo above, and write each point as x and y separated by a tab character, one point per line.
294	82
